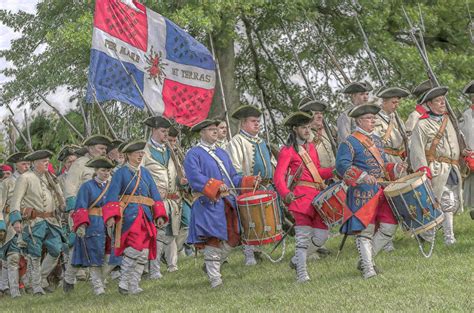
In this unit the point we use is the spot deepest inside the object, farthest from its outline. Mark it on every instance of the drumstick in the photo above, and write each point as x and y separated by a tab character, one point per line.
256	184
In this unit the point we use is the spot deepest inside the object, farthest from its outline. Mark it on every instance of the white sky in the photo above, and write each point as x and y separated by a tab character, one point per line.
6	36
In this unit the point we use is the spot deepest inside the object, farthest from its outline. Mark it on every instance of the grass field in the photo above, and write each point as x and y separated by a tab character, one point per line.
409	282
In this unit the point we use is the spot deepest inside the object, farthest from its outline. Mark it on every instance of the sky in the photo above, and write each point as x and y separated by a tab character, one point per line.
6	36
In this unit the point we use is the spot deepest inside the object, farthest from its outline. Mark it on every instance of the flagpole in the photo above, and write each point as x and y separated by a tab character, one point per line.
150	111
94	94
221	85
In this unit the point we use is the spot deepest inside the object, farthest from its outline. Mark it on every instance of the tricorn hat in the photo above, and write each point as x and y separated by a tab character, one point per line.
434	93
204	124
310	105
364	109
356	87
469	88
157	122
38	155
423	87
16	157
97	140
132	146
392	92
246	111
297	119
100	162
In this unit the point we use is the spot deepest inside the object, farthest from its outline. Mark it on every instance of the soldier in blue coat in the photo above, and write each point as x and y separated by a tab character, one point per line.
214	225
362	163
89	246
135	208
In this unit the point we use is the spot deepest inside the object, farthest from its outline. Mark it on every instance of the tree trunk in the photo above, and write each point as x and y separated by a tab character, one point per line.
226	57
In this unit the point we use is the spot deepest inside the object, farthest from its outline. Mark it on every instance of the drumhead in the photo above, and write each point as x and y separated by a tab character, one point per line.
256	197
328	192
405	184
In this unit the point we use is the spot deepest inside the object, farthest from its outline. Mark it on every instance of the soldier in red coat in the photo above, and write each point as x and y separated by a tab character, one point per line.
300	159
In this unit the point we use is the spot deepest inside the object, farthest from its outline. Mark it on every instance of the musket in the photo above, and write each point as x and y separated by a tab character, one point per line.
434	79
109	125
308	86
58	113
401	126
267	133
28	144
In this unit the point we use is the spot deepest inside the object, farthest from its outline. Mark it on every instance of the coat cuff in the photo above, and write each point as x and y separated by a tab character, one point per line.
3	226
352	175
70	204
14	217
111	210
211	189
248	183
159	210
427	170
79	217
390	168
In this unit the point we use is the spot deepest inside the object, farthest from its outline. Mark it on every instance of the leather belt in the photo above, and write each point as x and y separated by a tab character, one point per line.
172	196
395	152
35	214
138	199
96	211
447	160
310	184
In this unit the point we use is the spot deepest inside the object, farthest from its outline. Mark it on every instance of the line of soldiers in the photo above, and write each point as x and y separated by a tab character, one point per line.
122	208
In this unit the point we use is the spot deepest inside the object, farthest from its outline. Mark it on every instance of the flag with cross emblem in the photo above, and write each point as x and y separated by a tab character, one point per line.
141	58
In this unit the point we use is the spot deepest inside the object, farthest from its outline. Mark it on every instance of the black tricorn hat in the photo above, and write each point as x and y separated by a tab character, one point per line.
132	146
469	88
244	111
364	109
356	87
81	151
297	119
97	140
67	151
392	92
16	157
434	93
423	87
157	122
38	155
204	124
173	132
100	162
309	105
114	144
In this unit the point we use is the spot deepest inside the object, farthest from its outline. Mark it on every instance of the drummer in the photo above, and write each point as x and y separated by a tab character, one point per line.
213	180
300	156
362	163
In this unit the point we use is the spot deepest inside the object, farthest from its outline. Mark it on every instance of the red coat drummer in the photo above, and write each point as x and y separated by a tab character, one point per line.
302	161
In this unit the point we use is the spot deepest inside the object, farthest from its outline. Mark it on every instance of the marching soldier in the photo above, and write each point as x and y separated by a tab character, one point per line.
434	149
250	155
114	154
33	208
467	128
9	249
222	141
89	246
318	135
213	179
363	164
163	167
67	157
186	197
5	171
135	209
310	228
359	93
420	109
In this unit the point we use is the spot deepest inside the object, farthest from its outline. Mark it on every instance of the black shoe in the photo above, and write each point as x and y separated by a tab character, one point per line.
323	252
122	291
292	265
50	289
376	269
67	287
471	213
204	269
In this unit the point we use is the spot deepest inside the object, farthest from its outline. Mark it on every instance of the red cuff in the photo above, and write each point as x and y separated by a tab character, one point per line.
390	168
326	172
159	210
79	217
425	169
352	175
211	189
248	183
111	210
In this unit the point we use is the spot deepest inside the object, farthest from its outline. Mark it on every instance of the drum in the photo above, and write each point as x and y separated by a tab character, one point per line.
331	203
260	217
413	203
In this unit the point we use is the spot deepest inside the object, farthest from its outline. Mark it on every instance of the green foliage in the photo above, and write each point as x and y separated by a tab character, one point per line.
54	49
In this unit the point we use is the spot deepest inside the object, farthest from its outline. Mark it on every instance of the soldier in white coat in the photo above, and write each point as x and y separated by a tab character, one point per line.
420	108
9	249
467	128
434	149
359	94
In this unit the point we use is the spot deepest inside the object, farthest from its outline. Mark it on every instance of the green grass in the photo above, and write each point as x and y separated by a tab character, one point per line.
409	282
